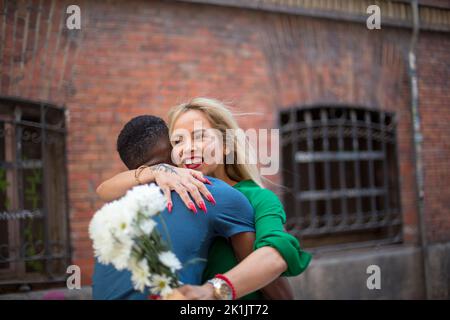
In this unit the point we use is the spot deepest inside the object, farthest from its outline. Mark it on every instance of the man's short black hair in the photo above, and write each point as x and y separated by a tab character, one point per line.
138	137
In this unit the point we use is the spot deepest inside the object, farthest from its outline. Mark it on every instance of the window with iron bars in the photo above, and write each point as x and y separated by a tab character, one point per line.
339	167
34	243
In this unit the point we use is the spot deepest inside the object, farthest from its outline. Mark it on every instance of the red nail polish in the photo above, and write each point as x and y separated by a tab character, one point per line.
169	207
192	207
207	181
211	199
203	206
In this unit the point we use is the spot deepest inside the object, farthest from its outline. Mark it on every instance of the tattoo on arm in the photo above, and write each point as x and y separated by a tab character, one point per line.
163	167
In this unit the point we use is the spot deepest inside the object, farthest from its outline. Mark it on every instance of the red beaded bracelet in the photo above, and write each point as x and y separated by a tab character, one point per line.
233	291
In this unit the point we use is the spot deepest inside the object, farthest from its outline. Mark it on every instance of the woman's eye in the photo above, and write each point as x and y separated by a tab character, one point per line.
207	137
199	136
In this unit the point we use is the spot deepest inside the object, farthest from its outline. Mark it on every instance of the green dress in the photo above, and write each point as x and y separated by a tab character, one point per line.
269	220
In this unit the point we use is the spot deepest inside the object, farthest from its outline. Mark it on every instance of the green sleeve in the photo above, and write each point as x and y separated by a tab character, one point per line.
269	220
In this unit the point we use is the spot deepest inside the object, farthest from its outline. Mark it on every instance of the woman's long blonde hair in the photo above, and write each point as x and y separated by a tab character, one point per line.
222	119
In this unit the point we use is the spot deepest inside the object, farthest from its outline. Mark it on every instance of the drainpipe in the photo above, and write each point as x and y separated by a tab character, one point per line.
417	139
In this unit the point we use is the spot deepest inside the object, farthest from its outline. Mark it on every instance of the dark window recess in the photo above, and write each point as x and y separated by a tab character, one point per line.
339	167
34	243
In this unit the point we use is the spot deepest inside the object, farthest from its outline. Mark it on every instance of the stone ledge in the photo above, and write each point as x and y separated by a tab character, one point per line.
342	275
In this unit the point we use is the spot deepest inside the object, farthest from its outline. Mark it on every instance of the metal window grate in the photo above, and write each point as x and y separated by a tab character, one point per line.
34	237
340	167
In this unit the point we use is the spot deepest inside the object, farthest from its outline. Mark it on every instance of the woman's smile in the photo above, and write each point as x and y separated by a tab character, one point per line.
192	163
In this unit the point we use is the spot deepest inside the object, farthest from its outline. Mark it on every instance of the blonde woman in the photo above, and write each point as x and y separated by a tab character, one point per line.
203	134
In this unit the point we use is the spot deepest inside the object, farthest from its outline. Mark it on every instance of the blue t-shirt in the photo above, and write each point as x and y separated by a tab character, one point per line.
190	236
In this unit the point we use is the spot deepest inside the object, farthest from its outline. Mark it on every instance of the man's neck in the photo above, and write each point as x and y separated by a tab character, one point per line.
222	175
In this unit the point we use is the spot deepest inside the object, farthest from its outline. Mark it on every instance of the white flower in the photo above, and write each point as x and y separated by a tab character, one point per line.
149	198
147	225
121	253
170	260
101	236
129	205
160	285
140	274
112	233
116	231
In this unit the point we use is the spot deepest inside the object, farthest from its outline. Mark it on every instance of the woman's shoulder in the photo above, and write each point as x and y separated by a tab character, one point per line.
261	198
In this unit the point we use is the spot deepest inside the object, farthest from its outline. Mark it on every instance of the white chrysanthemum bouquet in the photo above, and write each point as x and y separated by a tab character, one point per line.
123	234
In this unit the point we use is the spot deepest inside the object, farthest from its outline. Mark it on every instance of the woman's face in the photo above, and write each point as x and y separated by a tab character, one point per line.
196	145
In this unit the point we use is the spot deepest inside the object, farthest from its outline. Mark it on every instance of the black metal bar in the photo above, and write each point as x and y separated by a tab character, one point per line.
337	156
47	127
327	175
357	172
68	247
371	169
397	186
23	101
36	258
386	207
47	251
356	107
342	184
21	164
311	175
333	123
336	194
19	179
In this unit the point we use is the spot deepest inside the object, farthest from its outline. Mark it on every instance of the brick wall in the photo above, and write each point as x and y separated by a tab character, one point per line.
434	95
144	57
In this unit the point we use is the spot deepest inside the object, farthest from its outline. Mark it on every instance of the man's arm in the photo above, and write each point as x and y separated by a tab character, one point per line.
242	244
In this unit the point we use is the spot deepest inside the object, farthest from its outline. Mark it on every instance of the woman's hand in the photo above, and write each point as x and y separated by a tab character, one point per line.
204	292
186	182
